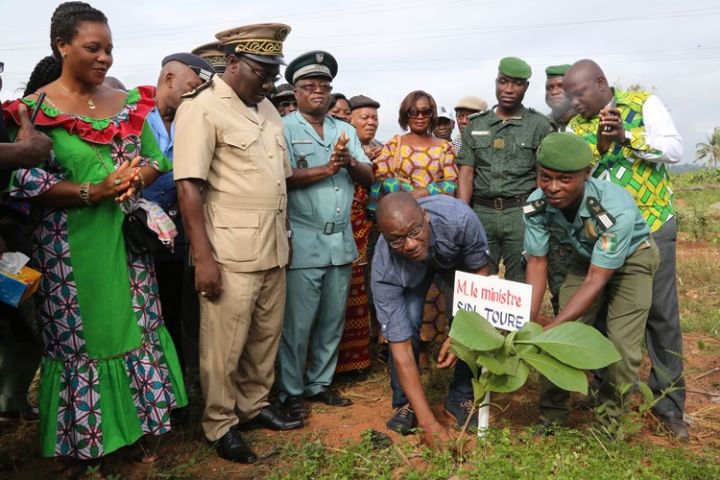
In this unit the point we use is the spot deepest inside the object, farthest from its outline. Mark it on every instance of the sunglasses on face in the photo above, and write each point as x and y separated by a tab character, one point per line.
415	113
287	103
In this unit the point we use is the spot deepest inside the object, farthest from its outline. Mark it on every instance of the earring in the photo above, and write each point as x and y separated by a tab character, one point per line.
63	55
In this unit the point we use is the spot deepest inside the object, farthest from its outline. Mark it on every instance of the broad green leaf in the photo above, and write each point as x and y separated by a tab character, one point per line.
564	376
526	348
508	345
497	362
577	345
474	332
467	356
647	394
493	363
478	390
508	383
528	331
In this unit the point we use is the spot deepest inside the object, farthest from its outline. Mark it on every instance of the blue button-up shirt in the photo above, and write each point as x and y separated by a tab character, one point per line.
457	242
162	191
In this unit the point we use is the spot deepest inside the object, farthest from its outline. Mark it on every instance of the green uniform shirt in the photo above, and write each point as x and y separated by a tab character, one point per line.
604	247
320	213
503	152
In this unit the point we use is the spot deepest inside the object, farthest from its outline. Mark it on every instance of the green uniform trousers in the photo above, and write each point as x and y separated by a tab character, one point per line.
627	297
505	233
314	318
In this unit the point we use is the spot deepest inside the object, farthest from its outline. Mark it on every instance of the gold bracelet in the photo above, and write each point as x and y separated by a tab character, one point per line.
85	193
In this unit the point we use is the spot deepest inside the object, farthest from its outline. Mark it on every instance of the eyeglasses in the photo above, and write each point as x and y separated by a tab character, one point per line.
311	87
2	67
287	103
414	113
399	241
264	78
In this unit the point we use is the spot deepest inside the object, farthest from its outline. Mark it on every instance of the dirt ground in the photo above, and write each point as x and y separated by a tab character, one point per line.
185	454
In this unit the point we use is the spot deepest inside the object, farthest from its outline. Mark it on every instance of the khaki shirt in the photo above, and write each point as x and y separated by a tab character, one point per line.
242	158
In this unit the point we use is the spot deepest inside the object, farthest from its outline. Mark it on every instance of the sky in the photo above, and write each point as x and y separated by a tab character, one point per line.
449	48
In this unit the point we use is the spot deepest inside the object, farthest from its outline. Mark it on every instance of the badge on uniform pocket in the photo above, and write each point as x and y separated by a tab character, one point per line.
302	163
499	143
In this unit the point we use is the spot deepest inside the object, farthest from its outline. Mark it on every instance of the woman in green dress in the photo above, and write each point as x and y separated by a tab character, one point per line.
110	373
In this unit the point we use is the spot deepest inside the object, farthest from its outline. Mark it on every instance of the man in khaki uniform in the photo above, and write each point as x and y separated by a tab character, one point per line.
230	168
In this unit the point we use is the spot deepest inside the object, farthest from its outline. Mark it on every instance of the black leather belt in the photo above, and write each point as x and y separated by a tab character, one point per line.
501	203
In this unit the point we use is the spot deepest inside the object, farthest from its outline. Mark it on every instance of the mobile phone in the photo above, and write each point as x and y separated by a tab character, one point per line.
36	109
612	104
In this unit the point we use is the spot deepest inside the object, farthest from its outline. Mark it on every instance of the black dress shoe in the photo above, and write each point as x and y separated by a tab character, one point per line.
274	421
676	426
231	446
328	397
294	407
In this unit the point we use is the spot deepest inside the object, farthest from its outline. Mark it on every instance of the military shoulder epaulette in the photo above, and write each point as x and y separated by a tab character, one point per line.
599	213
535	207
546	117
197	89
477	114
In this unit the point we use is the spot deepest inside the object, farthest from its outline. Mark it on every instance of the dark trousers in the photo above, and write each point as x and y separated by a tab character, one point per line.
663	336
461	386
181	312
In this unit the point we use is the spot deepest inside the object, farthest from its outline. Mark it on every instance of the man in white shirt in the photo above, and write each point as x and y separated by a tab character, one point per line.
633	139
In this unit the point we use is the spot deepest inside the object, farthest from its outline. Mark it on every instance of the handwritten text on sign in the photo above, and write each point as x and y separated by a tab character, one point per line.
503	303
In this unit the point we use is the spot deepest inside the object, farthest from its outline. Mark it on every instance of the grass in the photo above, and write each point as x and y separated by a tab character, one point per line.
504	454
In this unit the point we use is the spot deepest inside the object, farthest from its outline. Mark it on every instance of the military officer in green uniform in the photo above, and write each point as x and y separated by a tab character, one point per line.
326	158
497	164
612	267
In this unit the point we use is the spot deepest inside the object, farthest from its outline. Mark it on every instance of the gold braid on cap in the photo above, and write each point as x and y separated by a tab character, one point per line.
215	59
259	46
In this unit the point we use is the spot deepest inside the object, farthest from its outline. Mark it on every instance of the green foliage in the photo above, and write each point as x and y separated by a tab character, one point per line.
503	454
709	152
560	353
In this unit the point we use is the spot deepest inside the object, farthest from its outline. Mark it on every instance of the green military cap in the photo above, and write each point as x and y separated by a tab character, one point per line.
564	152
261	42
514	67
557	70
212	54
316	63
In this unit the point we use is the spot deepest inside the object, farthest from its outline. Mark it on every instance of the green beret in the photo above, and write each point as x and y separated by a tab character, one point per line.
564	152
316	64
557	70
514	67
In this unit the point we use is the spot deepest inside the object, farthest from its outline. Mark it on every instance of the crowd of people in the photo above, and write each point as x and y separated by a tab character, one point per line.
223	235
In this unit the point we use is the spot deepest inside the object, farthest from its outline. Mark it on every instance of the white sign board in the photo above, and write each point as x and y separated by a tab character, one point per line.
503	303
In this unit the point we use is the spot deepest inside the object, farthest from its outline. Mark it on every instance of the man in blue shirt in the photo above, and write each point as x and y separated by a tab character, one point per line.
612	267
422	238
181	73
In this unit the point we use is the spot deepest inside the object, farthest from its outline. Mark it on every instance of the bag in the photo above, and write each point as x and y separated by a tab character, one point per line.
139	239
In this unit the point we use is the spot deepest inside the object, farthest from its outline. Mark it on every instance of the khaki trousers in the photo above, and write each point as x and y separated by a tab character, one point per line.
627	297
239	337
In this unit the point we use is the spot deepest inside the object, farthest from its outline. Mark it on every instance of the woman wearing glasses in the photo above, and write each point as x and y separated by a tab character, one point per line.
419	163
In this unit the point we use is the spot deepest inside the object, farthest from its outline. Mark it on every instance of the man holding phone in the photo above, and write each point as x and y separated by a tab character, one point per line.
633	139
